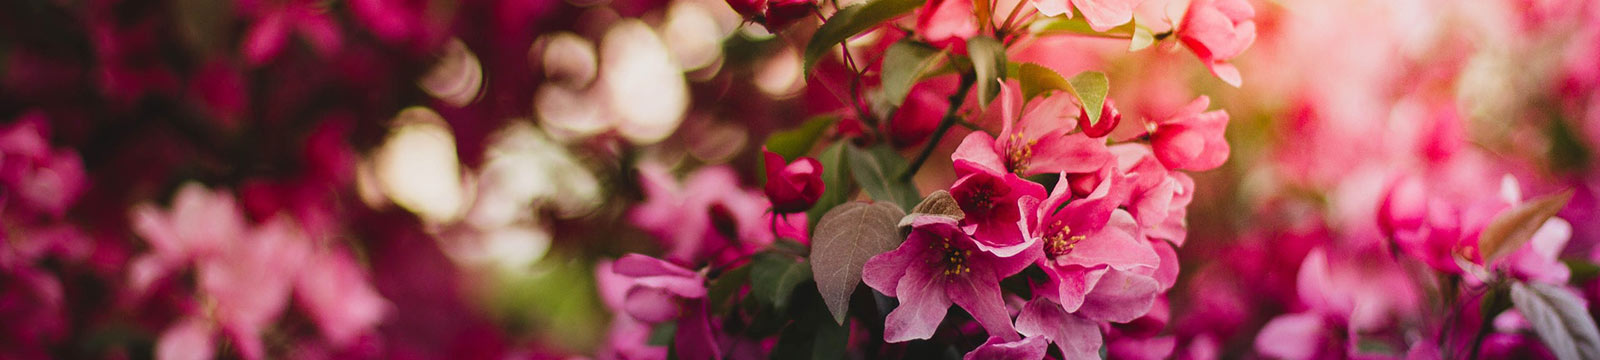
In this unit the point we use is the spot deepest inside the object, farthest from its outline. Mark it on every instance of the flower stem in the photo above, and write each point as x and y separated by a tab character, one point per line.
949	120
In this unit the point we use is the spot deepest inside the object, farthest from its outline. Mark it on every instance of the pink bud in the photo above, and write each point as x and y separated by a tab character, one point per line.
781	13
795	186
1109	117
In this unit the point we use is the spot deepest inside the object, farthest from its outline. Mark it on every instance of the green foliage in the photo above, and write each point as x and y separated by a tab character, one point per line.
853	20
836	183
875	169
774	276
797	142
903	64
989	64
1090	87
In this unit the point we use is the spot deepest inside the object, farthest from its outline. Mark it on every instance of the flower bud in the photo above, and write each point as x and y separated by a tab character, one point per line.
781	13
1109	117
795	186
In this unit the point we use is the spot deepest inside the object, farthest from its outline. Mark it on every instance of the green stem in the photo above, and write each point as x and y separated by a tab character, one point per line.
950	119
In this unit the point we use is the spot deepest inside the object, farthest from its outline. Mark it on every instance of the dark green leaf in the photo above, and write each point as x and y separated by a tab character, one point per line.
662	333
852	20
903	64
1560	319
1513	228
845	238
720	294
989	64
773	278
876	169
836	182
1583	271
811	337
798	141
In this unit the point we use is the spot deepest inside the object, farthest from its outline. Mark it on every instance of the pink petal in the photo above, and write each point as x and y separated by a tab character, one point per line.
266	38
1073	153
1119	297
189	339
979	294
1118	246
694	339
997	348
339	298
978	149
1077	337
1294	336
1106	14
923	304
651	305
1052	7
1167	272
637	265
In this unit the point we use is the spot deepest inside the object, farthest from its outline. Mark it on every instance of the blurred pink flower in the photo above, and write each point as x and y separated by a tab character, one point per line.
42	180
652	291
709	217
274	21
937	265
947	24
1101	14
339	298
1076	336
1218	30
781	13
1191	139
998	348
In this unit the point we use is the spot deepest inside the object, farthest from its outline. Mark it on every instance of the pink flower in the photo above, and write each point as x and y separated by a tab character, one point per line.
947	24
1192	138
708	217
41	180
658	291
1088	241
993	204
339	298
793	187
1218	30
1345	294
1078	337
1158	199
1038	143
937	265
1101	14
924	107
268	36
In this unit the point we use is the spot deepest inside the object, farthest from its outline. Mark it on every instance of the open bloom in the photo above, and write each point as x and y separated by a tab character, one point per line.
1089	244
992	203
795	186
947	23
1192	138
937	265
1218	30
655	291
1037	143
708	217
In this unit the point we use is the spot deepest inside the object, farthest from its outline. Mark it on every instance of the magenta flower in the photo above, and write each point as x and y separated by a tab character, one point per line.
1159	199
708	217
993	203
1109	118
1101	14
1218	30
658	291
795	186
937	265
1076	336
1090	240
40	179
1192	138
274	21
1345	294
1037	143
781	13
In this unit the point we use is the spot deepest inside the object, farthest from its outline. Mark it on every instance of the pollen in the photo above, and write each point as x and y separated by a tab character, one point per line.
954	258
1018	153
1061	242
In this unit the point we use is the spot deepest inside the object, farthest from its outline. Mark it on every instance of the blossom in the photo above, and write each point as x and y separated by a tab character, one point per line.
708	217
658	291
42	180
947	24
1101	14
1192	138
937	265
795	186
998	348
993	203
1218	30
1088	241
781	13
1037	143
1076	336
1109	118
268	36
1344	292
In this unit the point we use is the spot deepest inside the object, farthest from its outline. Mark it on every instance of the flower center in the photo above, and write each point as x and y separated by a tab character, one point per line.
954	258
1018	152
982	198
1061	242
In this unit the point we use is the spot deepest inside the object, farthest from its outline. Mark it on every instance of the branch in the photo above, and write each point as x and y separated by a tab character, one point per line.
949	120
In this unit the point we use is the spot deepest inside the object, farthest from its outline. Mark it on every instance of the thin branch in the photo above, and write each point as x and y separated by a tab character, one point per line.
950	119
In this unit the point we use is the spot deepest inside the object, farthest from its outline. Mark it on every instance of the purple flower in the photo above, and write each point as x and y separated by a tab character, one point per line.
937	265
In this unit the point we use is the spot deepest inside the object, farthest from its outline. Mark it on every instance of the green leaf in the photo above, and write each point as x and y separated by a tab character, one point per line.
811	337
1089	87
1583	271
1142	38
831	341
836	182
720	294
876	169
1560	319
1079	25
939	203
903	64
845	238
852	20
662	333
989	64
797	142
1513	228
773	278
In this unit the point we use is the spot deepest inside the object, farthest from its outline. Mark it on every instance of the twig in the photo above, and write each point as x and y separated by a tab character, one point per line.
949	120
